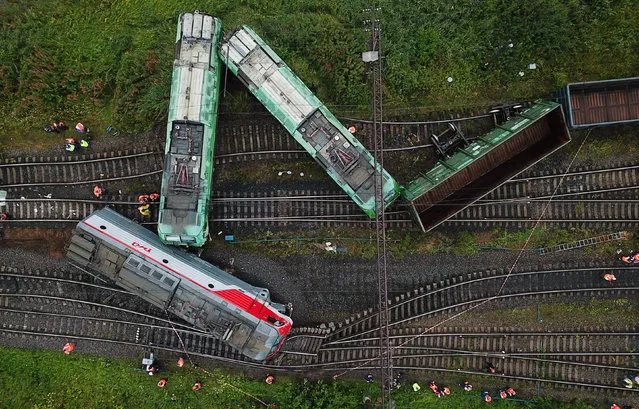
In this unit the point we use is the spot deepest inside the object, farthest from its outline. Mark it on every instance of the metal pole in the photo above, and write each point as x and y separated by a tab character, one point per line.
385	351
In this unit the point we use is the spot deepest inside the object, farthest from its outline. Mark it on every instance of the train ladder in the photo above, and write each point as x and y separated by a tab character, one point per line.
622	235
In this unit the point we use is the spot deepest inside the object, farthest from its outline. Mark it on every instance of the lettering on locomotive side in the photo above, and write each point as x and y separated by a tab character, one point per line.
138	245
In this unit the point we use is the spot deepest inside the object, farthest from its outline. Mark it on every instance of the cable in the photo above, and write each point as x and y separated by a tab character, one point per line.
208	372
510	270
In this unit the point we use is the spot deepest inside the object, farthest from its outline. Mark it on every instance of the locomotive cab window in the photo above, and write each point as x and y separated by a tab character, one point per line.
273	321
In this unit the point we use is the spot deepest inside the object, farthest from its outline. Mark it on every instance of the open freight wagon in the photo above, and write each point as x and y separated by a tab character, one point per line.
599	103
472	172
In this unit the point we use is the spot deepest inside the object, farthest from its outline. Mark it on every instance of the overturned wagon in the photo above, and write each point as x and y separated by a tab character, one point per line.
492	159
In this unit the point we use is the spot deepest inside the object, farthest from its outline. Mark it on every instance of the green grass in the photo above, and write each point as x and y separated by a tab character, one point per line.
50	379
107	62
400	244
563	316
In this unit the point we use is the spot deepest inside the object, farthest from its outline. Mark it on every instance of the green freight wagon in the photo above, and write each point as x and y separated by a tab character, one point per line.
492	159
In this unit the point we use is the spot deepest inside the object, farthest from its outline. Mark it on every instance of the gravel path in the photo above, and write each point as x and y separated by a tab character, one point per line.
324	289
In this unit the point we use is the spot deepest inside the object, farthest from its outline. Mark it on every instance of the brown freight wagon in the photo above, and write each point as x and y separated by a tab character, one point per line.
492	159
598	103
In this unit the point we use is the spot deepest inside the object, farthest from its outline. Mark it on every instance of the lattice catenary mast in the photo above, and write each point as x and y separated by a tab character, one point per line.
385	353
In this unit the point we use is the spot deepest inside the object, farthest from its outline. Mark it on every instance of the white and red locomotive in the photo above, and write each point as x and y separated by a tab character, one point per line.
240	314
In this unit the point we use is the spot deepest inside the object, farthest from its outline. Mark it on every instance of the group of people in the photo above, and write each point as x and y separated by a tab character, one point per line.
632	258
55	127
439	392
154	369
70	143
145	208
630	381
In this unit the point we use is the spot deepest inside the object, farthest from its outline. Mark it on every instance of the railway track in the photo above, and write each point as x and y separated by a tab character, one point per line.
598	357
267	139
79	169
462	292
72	210
587	200
588	358
66	286
68	304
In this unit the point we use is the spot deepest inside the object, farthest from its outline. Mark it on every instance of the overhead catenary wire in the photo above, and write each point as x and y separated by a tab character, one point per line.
183	346
501	288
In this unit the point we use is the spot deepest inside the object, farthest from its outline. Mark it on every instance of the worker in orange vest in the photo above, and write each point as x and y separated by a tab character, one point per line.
270	379
502	394
510	391
486	397
352	129
446	390
614	406
97	191
180	362
635	257
143	199
197	386
491	368
626	259
610	278
162	383
67	348
154	197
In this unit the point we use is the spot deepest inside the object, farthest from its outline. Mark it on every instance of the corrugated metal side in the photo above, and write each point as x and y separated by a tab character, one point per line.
454	184
599	103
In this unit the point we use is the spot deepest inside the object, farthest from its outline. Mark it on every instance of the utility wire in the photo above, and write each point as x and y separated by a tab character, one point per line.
501	288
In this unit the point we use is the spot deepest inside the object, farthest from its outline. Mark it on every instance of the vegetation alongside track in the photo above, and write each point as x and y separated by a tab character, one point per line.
400	244
109	62
49	379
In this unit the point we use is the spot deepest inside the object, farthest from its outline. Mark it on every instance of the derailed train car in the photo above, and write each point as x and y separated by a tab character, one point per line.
306	118
492	159
190	135
599	103
238	313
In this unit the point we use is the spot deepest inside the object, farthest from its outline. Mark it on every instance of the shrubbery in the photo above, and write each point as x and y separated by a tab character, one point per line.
110	61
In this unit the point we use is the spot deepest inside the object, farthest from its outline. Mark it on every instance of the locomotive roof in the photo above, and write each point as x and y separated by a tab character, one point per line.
304	116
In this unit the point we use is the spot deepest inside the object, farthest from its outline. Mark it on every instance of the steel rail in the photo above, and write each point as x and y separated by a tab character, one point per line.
94	304
78	162
184	328
155	172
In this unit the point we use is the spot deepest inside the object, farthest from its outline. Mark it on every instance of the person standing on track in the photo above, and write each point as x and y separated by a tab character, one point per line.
610	278
144	209
98	192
